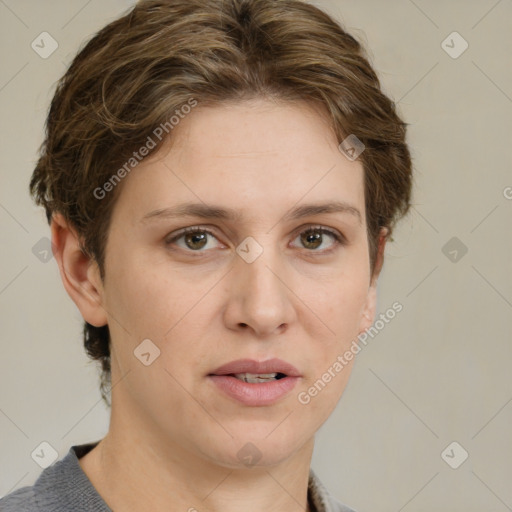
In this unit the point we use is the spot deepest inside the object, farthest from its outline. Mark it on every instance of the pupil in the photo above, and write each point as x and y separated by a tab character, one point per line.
314	239
194	237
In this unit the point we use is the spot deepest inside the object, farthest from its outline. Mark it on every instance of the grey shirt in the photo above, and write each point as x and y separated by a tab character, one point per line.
64	487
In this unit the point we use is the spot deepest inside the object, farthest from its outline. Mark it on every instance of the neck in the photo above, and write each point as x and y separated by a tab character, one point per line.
134	469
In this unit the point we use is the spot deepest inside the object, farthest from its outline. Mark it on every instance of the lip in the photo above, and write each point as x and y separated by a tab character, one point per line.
250	366
255	394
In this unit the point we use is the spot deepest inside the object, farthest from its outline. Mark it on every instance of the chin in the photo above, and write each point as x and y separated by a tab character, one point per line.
262	451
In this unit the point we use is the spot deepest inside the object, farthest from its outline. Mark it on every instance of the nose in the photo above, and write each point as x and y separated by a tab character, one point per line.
260	298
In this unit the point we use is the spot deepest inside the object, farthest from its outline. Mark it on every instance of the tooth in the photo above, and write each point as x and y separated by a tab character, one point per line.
255	378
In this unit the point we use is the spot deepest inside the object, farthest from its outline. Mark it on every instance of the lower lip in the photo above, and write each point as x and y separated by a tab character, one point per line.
265	393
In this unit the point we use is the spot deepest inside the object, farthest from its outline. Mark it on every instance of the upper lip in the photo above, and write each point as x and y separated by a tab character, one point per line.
255	367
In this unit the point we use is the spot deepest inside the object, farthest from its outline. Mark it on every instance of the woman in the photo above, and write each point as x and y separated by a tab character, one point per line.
221	179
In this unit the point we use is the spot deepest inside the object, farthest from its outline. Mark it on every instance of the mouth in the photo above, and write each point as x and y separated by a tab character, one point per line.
248	368
254	378
255	383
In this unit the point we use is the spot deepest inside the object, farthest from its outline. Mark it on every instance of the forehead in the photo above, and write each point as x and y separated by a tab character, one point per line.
255	157
256	128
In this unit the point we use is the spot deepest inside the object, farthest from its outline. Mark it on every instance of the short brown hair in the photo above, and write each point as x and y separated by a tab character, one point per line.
138	70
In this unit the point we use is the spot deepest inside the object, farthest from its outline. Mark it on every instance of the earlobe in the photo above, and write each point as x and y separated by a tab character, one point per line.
79	273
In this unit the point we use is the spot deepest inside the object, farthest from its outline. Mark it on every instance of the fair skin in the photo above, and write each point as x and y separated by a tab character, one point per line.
173	439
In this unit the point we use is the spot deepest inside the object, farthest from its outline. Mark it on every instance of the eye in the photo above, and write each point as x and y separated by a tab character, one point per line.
195	238
313	238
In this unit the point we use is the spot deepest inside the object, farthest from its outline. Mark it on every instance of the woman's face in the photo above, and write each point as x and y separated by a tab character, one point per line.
256	286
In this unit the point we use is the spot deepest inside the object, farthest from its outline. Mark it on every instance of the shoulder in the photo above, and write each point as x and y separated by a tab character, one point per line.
20	500
322	499
61	487
337	506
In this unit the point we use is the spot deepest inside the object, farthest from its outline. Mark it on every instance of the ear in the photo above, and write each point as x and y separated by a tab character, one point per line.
368	314
80	273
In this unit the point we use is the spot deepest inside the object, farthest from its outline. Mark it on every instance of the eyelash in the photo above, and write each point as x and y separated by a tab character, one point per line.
340	240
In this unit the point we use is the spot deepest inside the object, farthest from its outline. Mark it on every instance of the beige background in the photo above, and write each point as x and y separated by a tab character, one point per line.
439	372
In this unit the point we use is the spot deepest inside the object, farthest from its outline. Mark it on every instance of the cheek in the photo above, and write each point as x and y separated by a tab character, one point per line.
144	301
338	300
155	302
340	308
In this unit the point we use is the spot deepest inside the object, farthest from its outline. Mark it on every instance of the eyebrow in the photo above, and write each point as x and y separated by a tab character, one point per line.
216	212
